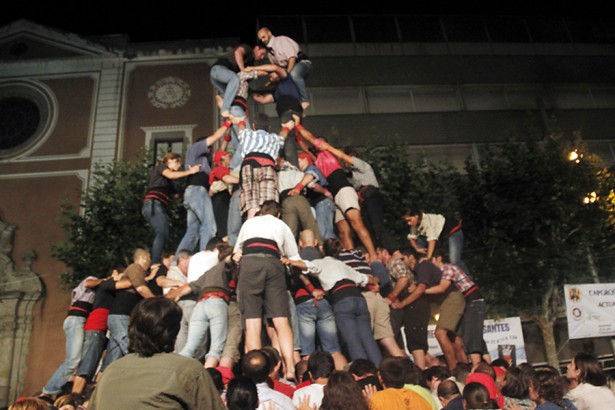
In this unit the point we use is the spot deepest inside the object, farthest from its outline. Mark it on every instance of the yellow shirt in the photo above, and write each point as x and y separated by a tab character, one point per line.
398	399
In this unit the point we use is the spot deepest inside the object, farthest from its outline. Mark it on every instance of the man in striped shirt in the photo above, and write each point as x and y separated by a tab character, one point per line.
259	149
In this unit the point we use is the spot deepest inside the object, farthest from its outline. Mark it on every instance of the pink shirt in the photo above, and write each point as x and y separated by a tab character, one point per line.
326	162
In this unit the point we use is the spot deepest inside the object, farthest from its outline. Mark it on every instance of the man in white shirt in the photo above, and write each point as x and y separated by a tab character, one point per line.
261	288
320	368
255	366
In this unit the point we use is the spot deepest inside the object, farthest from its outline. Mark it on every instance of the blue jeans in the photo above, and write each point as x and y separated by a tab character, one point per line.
200	220
455	247
354	324
226	82
325	214
187	306
155	214
317	317
209	314
118	341
237	111
234	218
73	329
93	348
298	74
294	323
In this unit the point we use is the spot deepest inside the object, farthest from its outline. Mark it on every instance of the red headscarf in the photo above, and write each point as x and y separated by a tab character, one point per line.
489	383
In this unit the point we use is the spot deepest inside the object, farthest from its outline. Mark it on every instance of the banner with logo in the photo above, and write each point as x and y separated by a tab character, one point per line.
504	338
590	310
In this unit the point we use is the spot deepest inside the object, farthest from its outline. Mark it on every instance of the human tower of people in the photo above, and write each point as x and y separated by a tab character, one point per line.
268	287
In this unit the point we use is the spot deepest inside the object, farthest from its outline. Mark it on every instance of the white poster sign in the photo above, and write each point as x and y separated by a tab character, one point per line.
504	338
589	310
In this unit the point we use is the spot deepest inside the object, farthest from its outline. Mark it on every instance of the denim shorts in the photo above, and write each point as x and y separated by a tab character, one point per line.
93	348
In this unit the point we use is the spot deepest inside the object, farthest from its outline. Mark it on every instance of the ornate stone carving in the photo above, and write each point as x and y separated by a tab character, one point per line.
170	92
19	291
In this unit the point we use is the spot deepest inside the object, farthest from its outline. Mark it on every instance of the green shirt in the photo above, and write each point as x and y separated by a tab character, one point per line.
163	381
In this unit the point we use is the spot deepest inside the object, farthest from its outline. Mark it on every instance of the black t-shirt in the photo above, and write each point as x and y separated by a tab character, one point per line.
159	187
105	293
126	299
152	285
337	180
228	60
429	274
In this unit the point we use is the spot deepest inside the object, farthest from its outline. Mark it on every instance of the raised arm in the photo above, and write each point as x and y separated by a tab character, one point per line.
338	153
305	133
170	174
286	128
219	133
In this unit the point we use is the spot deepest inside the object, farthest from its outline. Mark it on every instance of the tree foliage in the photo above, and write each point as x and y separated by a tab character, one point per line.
527	224
533	219
110	225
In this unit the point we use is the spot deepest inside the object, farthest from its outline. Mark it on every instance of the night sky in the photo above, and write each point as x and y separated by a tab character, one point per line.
176	20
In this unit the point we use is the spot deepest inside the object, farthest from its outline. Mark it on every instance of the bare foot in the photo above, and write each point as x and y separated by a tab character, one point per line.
305	105
219	101
225	114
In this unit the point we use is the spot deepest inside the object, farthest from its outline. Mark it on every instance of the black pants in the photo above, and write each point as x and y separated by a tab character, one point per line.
220	203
